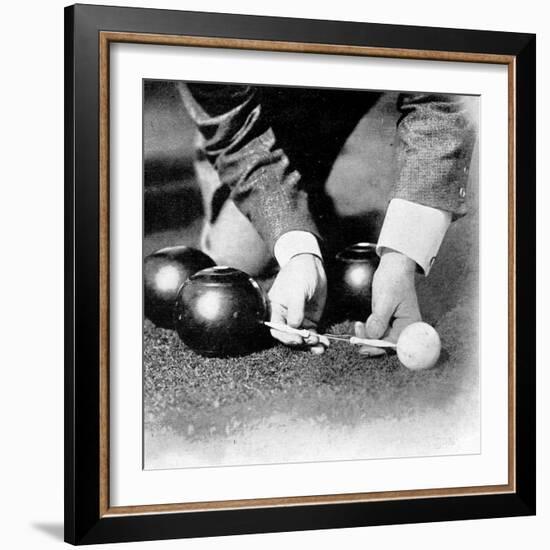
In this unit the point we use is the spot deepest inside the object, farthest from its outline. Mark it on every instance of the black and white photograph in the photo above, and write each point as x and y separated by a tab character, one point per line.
299	275
310	274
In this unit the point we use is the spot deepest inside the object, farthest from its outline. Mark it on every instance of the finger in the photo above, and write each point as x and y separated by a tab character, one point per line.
397	328
377	323
311	326
286	339
406	313
360	332
324	340
278	315
313	338
317	350
359	329
317	342
316	306
371	351
296	307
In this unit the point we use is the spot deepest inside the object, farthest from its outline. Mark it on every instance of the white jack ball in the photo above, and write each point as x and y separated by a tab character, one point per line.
418	346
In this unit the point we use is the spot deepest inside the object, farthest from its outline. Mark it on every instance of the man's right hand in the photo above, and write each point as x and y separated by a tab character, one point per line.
298	298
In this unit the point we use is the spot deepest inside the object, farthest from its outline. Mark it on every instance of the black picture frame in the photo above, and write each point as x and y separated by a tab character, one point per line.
84	521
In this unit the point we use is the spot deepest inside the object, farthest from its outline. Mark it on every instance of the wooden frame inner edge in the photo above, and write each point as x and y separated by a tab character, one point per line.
105	38
104	270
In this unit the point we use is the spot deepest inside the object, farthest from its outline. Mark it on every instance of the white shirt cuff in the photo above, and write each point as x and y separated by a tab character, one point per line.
293	243
414	230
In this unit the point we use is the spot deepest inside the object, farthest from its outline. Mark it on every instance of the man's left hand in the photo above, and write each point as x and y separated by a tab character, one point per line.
394	301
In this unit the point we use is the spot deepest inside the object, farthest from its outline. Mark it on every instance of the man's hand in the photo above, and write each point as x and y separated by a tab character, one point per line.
297	299
394	301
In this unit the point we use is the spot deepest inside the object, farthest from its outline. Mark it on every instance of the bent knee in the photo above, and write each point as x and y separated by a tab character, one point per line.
232	240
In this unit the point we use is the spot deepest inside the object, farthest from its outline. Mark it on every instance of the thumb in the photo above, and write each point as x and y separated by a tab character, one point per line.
378	321
295	311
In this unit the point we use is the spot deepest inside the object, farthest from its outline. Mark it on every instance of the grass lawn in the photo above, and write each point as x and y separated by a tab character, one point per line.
283	405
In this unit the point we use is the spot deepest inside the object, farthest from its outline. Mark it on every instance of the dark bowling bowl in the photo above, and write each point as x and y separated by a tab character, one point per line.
352	275
164	272
219	312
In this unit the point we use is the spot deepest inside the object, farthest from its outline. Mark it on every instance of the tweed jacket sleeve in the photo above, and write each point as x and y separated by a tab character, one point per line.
253	170
435	137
